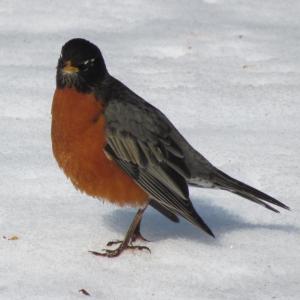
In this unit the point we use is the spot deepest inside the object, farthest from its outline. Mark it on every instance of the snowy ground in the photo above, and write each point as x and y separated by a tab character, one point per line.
227	73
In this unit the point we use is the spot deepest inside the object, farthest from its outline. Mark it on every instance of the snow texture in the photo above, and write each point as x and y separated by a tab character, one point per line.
227	73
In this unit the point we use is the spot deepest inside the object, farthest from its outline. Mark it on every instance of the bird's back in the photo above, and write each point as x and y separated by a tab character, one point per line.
149	123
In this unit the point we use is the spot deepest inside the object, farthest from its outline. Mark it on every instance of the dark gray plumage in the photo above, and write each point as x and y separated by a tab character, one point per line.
146	145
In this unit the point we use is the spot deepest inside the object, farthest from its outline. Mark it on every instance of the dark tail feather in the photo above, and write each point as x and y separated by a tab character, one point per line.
198	221
172	217
223	181
189	213
192	216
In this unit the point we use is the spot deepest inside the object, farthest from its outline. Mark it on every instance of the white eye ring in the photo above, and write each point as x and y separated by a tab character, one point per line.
89	61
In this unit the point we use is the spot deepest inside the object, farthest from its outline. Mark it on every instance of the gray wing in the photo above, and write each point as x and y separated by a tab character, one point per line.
139	140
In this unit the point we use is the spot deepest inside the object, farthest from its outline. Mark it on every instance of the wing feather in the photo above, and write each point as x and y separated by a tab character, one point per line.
141	140
166	186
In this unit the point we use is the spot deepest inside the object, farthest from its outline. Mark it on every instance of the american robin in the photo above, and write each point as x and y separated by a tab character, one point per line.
114	145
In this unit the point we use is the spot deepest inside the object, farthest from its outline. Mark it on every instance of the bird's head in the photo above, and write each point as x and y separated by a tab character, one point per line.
80	65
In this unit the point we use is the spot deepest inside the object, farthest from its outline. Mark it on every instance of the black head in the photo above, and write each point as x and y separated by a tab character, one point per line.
80	66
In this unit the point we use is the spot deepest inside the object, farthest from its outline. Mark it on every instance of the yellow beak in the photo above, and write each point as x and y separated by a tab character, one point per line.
69	69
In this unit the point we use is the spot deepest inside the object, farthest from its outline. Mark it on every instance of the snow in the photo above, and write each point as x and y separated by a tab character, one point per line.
227	74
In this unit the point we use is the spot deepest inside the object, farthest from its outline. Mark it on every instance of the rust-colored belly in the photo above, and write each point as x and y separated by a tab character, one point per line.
78	140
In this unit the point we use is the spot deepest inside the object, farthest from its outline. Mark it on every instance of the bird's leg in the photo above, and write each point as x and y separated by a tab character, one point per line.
132	234
135	236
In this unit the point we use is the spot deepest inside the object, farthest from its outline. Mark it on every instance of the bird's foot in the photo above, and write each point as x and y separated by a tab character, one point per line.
116	252
136	236
132	235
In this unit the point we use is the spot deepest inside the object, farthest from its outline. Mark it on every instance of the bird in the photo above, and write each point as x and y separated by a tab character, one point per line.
115	146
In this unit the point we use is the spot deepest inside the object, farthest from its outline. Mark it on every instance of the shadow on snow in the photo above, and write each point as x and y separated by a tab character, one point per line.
156	227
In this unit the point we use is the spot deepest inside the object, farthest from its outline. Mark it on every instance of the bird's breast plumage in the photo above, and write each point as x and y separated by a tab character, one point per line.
78	141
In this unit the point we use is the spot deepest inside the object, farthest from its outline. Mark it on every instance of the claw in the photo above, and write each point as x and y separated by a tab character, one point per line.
114	243
138	236
140	248
96	253
116	252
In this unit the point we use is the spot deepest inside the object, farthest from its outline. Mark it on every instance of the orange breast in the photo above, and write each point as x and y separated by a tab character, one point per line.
78	140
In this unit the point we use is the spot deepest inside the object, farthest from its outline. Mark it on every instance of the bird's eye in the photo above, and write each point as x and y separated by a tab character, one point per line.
89	61
85	65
